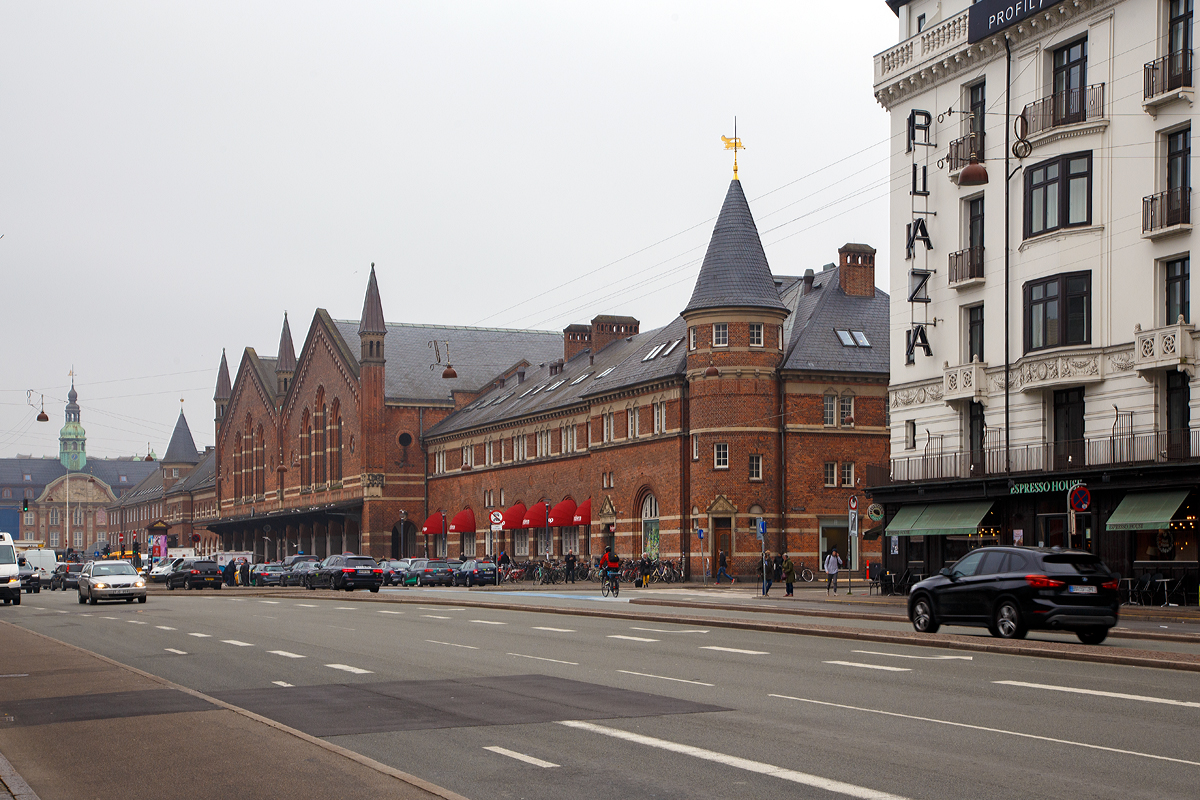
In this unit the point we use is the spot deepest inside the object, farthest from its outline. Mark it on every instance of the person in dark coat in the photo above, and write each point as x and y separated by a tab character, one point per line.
571	562
245	573
229	573
723	568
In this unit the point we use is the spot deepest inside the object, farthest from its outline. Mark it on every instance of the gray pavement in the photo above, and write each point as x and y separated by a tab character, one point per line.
520	703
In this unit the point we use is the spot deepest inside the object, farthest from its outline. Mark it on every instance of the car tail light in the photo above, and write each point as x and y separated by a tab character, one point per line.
1109	585
377	571
1043	582
195	572
347	569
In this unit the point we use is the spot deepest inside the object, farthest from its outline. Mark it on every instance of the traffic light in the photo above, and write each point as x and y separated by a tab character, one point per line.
25	504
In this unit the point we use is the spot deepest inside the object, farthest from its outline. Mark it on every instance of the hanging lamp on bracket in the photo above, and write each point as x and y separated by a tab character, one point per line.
973	174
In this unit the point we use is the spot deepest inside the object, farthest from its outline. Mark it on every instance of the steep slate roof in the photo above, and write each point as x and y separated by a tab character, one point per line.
735	272
813	343
224	387
286	360
478	356
372	320
202	476
149	488
182	449
44	471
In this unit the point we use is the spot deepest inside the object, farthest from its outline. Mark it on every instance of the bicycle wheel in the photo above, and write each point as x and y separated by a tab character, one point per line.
806	575
604	588
616	589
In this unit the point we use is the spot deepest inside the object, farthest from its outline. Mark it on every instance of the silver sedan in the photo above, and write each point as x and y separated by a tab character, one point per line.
110	580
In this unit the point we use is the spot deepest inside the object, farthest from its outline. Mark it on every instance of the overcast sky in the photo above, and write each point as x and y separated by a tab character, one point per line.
177	175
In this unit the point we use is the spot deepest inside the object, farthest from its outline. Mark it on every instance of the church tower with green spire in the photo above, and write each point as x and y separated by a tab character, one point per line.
72	439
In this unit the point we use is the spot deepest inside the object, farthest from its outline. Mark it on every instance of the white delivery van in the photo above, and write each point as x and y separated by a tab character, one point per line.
10	577
43	561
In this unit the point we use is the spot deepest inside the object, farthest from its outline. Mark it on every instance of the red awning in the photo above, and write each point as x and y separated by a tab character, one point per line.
513	517
535	517
563	514
433	525
463	522
583	514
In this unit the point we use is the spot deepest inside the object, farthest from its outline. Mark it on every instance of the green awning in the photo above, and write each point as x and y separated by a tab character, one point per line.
1140	511
938	519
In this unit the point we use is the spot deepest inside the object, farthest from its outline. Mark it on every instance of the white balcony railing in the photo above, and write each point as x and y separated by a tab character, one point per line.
927	44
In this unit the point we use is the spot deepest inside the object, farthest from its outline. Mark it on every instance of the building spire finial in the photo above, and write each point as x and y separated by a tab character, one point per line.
733	144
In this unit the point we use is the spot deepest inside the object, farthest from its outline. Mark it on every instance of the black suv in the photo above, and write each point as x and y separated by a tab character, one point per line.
347	572
1011	590
65	577
195	574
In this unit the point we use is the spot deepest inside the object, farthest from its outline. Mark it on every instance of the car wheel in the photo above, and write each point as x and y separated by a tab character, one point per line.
142	599
1007	621
170	585
128	599
187	583
82	599
91	599
418	580
923	619
17	599
1092	635
37	589
374	590
217	586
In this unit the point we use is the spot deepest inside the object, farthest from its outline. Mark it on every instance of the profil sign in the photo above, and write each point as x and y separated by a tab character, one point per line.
989	17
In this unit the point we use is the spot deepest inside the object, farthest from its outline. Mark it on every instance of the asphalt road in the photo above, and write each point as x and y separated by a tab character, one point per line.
493	703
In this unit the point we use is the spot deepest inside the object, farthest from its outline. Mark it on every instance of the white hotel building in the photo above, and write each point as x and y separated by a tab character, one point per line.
1042	330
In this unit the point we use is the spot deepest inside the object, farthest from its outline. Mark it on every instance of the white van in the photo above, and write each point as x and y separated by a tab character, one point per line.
43	561
10	576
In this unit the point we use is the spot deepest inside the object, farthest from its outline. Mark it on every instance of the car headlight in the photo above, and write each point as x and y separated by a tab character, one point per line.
99	586
140	583
16	579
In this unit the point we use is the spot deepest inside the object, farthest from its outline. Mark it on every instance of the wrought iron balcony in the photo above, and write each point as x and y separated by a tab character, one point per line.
1115	451
966	267
1064	108
1170	73
961	150
1162	212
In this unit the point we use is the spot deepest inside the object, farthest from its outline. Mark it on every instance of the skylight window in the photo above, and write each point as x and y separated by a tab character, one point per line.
602	374
528	392
671	347
580	378
861	339
538	389
653	352
555	385
847	339
853	339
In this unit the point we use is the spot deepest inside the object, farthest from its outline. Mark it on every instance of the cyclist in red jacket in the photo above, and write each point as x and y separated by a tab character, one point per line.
610	562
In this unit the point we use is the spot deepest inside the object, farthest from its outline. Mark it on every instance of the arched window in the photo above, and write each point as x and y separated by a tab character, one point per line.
335	441
650	526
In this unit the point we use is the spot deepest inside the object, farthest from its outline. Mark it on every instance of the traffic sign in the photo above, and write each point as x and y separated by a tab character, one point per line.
497	517
854	502
1081	498
700	533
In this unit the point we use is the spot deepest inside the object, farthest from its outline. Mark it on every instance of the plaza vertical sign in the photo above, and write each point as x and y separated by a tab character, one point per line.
989	17
917	241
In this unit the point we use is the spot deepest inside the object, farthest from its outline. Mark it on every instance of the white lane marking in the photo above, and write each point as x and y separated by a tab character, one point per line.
176	652
556	630
344	608
746	764
16	675
631	638
108	618
306	605
439	608
868	666
37	608
85	615
347	668
136	622
452	644
664	677
384	611
488	622
539	658
735	650
200	635
989	730
59	611
270	602
537	762
164	627
236	643
663	630
1118	695
284	684
923	658
433	616
285	654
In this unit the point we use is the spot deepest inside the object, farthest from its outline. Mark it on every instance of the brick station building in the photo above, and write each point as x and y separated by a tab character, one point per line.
765	398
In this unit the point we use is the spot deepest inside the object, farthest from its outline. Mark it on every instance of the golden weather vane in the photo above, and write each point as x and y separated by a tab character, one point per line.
733	144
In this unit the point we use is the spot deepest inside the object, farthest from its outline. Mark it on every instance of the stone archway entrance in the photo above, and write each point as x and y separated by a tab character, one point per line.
404	540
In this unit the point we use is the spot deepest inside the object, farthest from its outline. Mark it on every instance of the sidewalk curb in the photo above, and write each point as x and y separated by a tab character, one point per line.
17	786
365	761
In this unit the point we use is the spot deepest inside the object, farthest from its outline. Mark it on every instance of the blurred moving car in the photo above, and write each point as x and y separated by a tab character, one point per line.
66	577
195	573
31	579
1012	590
110	580
297	574
266	574
475	572
164	567
347	572
429	572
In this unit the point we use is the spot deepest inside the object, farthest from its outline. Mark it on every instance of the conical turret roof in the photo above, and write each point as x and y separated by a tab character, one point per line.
287	354
735	272
224	386
372	314
182	449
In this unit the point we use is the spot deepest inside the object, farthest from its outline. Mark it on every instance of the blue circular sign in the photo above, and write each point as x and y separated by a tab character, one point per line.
1081	498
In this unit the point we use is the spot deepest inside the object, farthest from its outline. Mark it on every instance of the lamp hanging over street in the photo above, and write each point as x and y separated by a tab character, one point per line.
973	174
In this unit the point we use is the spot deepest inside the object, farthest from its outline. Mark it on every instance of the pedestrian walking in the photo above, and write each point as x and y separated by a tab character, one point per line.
723	568
645	569
789	574
767	570
833	562
571	562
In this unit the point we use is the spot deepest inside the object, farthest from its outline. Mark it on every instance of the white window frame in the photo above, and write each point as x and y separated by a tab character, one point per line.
756	334
723	339
521	542
695	447
721	455
780	327
755	466
29	519
830	473
910	434
829	410
847	473
845	410
692	338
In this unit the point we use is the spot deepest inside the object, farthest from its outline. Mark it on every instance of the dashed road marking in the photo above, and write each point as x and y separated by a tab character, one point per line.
385	611
537	762
270	602
348	668
285	654
236	643
488	622
136	622
1097	693
868	666
306	605
176	652
631	638
434	616
922	658
664	677
539	658
201	635
735	650
164	627
556	630
108	618
284	684
452	644
344	608
664	630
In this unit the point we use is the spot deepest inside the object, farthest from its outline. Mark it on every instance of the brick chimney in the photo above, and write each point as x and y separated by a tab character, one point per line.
808	282
856	264
576	339
608	329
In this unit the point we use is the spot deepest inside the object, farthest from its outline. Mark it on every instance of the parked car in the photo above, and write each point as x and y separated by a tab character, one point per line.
110	580
297	574
290	561
164	567
31	579
394	571
429	572
66	577
1012	590
195	573
475	572
266	574
347	572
